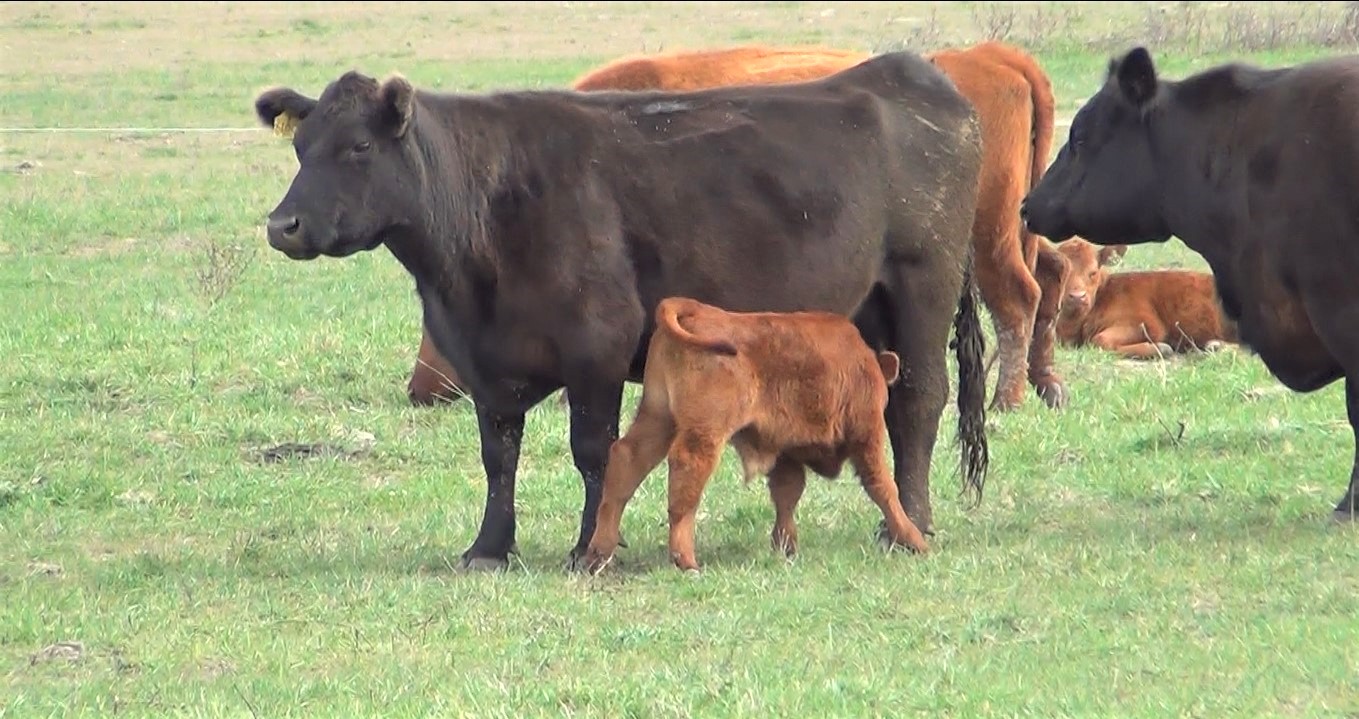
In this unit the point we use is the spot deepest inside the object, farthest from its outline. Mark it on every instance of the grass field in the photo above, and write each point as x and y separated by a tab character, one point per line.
1160	548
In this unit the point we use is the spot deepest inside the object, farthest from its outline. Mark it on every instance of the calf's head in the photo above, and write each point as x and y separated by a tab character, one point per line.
1103	184
353	184
1088	262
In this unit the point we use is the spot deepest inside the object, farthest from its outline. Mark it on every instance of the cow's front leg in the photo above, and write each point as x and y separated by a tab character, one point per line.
500	438
1347	509
594	427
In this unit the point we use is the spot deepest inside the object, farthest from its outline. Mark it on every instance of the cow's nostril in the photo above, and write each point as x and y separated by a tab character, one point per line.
287	225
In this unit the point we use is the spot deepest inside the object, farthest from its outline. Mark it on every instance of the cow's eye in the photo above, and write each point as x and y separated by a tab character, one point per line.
362	147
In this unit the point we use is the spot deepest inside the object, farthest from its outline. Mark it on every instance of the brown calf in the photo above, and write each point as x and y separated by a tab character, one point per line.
1139	315
1018	272
788	391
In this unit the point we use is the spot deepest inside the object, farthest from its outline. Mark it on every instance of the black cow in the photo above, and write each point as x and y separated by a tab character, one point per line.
543	227
1257	170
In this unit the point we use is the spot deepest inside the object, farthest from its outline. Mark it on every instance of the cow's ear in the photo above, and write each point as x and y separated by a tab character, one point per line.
1137	76
1112	255
283	108
890	365
398	102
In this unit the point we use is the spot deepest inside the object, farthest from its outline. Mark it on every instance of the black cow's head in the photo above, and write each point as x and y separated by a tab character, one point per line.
1103	185
352	186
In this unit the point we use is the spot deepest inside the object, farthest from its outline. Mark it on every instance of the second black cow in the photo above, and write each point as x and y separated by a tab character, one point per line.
541	229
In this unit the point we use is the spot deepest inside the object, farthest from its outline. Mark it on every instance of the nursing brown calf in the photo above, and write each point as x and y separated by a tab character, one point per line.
789	391
1018	272
1139	315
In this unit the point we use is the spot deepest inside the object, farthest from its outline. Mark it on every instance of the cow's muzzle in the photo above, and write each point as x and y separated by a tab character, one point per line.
287	235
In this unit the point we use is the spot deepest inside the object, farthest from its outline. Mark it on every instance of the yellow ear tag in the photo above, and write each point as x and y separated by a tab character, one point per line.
284	124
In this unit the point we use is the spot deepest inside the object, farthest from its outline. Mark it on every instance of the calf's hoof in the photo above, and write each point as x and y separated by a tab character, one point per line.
887	544
1165	349
1212	346
885	535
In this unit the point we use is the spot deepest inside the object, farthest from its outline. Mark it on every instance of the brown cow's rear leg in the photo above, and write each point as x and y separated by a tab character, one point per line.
1347	509
630	460
432	378
1050	272
786	482
1012	295
870	463
693	459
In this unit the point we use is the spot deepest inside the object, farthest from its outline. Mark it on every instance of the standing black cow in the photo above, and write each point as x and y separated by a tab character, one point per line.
542	228
1257	170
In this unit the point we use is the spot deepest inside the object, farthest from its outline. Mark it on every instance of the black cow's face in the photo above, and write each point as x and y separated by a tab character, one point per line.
1103	184
352	185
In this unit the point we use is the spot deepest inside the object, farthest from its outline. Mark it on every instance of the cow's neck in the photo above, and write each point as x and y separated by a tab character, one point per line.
1204	189
445	249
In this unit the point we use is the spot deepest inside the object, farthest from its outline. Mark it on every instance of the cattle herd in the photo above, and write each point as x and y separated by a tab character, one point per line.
777	243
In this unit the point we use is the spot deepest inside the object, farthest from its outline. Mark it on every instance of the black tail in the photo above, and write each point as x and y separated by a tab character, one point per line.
970	346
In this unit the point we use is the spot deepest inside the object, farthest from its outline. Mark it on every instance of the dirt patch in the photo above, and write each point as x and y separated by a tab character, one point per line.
59	652
357	445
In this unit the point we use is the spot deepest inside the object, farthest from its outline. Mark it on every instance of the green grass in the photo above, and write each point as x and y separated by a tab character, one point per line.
1160	548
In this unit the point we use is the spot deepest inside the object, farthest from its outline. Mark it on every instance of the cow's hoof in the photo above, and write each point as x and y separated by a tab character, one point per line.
885	536
471	563
1341	516
1053	394
887	544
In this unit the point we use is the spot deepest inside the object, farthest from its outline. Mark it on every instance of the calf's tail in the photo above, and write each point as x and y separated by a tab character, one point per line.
668	315
969	345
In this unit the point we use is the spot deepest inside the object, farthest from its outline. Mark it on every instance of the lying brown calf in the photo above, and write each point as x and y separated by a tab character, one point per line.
1139	315
787	390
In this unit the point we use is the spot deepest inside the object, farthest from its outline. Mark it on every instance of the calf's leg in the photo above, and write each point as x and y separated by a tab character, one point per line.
500	439
1132	342
631	459
870	463
786	481
693	458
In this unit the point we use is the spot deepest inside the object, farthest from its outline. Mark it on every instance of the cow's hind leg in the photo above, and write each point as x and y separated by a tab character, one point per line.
921	307
1009	290
1347	509
694	456
500	438
787	480
594	427
630	460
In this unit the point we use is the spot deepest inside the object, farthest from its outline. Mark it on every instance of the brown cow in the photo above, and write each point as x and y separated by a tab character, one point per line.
1139	315
788	391
1018	272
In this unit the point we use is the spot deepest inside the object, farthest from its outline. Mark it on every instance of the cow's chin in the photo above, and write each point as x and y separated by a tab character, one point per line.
344	246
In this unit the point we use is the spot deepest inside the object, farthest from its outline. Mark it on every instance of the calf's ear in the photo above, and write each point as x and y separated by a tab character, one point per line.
283	108
1137	76
398	103
1112	254
890	365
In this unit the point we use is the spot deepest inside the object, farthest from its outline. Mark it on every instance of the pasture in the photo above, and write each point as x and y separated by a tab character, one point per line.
215	499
